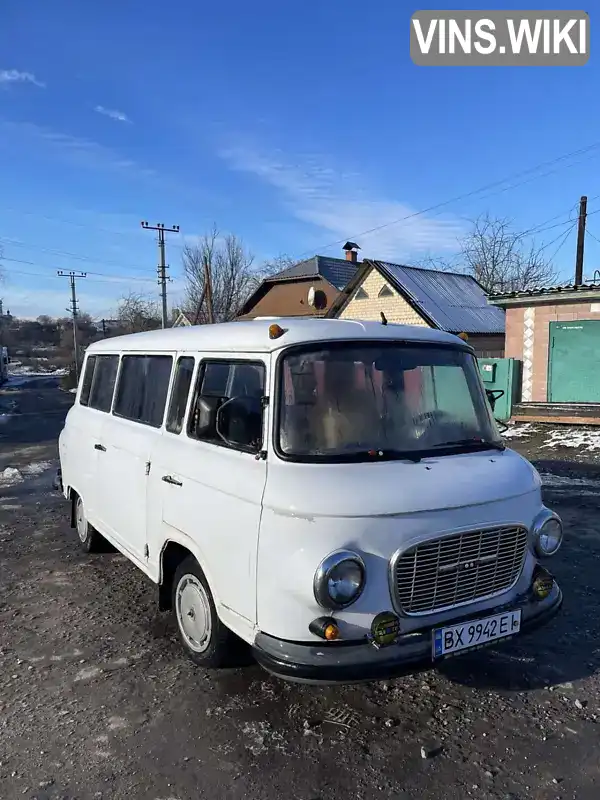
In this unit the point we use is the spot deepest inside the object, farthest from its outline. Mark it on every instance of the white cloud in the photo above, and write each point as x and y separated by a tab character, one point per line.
84	152
343	205
14	76
118	116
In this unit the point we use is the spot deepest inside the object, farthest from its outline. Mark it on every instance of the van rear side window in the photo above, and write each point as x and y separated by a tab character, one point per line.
143	388
88	376
179	394
103	382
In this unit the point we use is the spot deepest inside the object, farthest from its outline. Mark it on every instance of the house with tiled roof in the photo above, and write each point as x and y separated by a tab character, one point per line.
307	289
449	301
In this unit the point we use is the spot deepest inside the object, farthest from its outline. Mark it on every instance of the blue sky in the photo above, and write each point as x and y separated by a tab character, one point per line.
293	125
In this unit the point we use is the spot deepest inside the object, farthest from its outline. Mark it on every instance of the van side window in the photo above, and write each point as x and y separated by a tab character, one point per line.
103	382
179	395
86	385
227	409
142	389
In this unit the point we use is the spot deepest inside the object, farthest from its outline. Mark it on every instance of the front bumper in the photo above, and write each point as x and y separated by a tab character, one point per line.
355	662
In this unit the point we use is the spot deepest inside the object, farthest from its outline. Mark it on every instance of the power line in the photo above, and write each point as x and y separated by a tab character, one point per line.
589	233
480	190
472	193
75	256
563	242
106	278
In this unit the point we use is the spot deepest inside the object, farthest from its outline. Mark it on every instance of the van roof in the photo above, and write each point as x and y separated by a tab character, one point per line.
252	336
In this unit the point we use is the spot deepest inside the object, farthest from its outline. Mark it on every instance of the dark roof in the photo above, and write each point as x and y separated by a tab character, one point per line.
338	271
452	301
541	290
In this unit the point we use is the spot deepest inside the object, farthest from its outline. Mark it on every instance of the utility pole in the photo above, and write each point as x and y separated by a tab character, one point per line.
162	265
73	276
580	241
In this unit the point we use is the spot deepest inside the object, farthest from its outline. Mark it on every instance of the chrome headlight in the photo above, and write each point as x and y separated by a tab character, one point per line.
339	579
547	533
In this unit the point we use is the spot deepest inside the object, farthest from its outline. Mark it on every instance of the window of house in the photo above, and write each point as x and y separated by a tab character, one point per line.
179	395
385	291
86	384
143	388
103	382
227	409
361	294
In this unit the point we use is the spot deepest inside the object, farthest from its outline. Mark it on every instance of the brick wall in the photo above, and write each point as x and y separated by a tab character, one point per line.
514	333
395	307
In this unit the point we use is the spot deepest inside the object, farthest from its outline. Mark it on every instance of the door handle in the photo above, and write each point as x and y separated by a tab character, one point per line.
172	481
100	447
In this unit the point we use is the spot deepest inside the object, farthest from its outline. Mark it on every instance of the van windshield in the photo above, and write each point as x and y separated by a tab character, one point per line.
355	402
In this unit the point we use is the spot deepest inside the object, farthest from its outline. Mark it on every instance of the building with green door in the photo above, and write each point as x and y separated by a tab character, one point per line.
555	332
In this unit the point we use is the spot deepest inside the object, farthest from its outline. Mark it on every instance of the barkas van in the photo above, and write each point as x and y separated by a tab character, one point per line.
333	493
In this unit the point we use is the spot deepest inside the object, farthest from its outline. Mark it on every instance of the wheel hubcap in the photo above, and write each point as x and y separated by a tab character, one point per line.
80	520
193	613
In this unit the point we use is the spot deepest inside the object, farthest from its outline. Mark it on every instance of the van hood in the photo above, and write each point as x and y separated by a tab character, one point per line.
397	487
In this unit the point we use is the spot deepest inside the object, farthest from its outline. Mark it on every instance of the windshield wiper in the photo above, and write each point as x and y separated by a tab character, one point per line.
473	440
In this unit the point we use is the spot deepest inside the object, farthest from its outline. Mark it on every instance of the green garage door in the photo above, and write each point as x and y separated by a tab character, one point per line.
574	364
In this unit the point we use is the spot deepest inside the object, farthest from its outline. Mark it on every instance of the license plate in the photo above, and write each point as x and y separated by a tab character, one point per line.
474	634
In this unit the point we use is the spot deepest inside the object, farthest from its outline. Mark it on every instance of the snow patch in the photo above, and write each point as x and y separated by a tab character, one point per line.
11	475
20	370
518	431
36	468
587	441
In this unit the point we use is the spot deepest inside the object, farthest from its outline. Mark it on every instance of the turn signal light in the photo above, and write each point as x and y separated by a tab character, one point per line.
275	331
325	628
542	583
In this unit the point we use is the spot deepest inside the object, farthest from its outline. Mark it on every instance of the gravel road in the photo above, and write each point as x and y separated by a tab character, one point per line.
97	701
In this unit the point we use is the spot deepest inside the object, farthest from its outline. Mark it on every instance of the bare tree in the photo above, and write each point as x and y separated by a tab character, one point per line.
501	259
136	313
232	277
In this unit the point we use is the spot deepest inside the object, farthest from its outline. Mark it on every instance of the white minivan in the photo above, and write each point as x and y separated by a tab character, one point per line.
334	493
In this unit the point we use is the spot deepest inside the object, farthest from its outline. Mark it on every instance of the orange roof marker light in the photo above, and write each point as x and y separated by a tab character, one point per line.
463	336
275	331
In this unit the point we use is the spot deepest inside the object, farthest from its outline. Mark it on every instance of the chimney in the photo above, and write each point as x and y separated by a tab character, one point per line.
351	251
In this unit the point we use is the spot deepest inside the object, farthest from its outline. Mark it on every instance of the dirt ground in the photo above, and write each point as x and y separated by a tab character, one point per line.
97	700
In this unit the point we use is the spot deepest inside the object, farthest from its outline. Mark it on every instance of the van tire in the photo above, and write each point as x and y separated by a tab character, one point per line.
206	640
90	540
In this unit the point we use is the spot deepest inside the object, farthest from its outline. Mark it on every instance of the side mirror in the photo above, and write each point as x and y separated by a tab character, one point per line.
239	422
206	419
493	395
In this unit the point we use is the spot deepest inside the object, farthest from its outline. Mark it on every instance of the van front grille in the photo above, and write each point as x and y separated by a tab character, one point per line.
458	569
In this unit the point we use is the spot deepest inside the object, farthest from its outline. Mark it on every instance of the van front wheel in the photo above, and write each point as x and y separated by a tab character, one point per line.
206	640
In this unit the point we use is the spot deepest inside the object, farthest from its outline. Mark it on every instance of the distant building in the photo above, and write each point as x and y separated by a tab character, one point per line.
448	301
555	332
307	289
181	321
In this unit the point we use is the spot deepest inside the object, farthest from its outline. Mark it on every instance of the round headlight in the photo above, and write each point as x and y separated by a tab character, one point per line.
339	580
547	533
